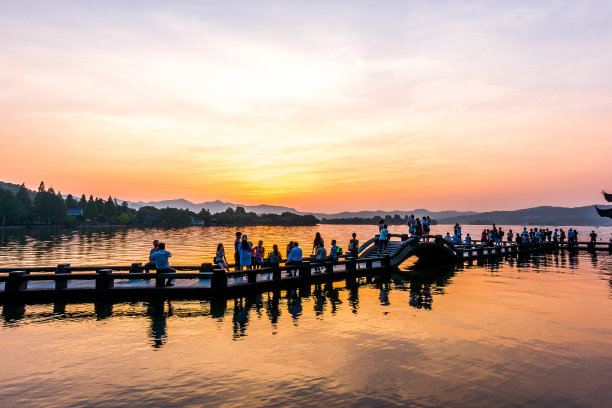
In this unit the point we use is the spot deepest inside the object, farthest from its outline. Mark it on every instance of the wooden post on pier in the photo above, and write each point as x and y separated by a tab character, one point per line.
386	262
276	273
329	267
15	281
351	264
61	283
219	279
252	276
459	254
369	264
104	280
305	270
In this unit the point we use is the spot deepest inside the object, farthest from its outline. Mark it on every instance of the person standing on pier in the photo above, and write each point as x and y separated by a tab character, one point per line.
353	246
318	242
411	224
161	261
418	228
236	252
295	256
593	236
458	231
510	236
383	240
426	229
151	263
244	252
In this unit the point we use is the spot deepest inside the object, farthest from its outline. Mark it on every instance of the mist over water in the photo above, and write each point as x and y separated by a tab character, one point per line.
534	331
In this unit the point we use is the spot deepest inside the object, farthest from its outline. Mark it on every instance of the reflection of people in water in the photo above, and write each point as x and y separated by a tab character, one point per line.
354	297
384	294
333	295
294	304
272	308
157	332
319	300
241	317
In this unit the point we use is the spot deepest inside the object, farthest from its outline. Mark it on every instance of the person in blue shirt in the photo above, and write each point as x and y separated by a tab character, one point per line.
333	252
447	237
455	239
320	256
468	239
161	261
295	257
244	252
383	240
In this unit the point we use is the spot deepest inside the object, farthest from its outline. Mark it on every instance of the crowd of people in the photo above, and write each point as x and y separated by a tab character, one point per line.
249	256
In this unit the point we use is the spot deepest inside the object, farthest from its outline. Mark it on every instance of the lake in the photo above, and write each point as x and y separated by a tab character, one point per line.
535	331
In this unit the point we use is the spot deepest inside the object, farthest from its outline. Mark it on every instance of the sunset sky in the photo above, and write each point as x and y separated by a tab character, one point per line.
321	106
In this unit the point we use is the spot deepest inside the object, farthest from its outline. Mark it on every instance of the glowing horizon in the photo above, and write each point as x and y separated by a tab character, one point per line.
320	107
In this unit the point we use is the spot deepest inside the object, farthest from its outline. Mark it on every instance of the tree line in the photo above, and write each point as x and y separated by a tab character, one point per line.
46	207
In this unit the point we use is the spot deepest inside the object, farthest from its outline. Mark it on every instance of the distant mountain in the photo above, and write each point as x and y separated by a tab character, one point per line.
214	206
545	215
14	187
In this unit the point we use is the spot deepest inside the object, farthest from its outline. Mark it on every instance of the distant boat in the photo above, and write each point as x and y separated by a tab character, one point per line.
607	196
604	212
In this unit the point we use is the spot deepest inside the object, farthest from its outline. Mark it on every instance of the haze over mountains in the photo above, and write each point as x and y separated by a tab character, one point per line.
545	215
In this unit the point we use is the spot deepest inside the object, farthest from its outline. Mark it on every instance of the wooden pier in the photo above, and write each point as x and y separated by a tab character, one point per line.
84	283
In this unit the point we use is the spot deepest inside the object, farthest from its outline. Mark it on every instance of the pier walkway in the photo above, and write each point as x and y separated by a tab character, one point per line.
130	282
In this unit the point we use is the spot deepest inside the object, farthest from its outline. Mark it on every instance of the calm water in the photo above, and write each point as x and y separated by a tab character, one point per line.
532	333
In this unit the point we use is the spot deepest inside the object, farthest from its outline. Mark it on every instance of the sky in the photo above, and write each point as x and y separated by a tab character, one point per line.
320	106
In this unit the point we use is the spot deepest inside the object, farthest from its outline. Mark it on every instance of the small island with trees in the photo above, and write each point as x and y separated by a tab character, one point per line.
44	207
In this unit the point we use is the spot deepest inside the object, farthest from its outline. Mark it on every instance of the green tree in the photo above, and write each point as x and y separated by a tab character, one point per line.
9	212
24	205
82	202
91	210
71	202
42	204
124	218
109	211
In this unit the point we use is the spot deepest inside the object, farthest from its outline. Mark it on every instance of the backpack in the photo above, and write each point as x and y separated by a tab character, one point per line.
339	251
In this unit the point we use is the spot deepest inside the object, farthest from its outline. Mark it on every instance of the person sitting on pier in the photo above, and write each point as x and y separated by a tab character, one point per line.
220	259
383	239
151	263
318	242
295	257
244	252
447	237
274	257
161	261
455	239
468	239
321	256
353	246
258	255
335	251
